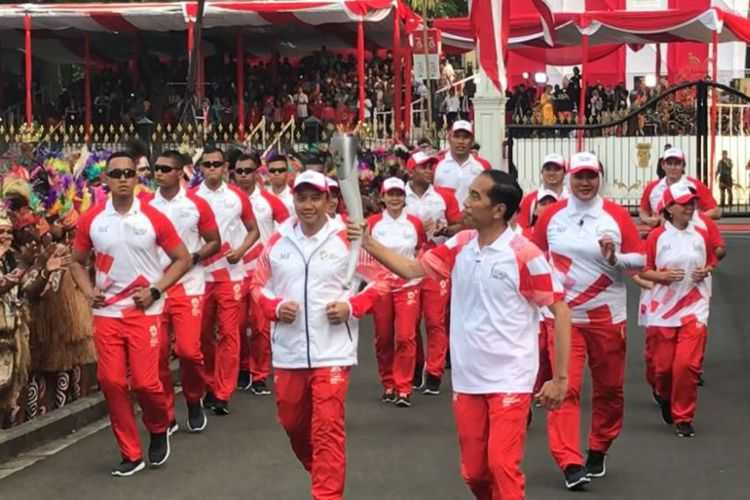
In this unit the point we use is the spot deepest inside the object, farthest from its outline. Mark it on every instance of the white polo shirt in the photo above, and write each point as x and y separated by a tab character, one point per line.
677	303
126	253
190	215
287	197
404	235
232	211
269	212
451	174
570	231
435	205
495	299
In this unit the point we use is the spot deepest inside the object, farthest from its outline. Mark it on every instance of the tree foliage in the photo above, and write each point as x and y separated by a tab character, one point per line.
440	8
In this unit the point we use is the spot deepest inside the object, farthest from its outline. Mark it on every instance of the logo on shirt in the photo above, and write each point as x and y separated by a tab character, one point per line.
153	333
336	375
237	289
510	400
195	304
102	229
411	298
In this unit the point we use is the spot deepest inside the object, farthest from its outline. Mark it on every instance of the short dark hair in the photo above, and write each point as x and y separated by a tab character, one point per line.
212	149
120	154
254	157
504	190
175	155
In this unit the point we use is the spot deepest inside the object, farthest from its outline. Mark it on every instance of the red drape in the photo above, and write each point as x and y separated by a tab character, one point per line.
397	76
687	61
488	23
609	70
361	68
519	62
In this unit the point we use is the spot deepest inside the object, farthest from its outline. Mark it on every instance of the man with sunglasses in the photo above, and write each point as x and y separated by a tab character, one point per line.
225	272
126	236
255	349
278	178
195	221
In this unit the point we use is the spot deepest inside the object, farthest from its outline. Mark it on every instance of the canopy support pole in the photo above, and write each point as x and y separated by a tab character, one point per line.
714	101
361	69
658	62
396	75
27	53
87	84
240	85
408	86
582	94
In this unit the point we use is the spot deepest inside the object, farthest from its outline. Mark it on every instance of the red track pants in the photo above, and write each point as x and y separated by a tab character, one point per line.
395	316
183	315
435	301
310	405
255	340
222	302
605	348
130	346
677	355
491	434
546	329
648	356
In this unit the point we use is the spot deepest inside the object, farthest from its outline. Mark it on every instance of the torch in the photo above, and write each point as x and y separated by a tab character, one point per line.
343	148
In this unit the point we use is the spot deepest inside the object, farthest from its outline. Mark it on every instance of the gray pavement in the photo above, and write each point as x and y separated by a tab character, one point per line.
411	454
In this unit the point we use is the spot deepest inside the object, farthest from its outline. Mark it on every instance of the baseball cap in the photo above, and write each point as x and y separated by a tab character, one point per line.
462	125
332	183
555	159
673	153
584	161
393	183
679	192
420	158
543	193
313	178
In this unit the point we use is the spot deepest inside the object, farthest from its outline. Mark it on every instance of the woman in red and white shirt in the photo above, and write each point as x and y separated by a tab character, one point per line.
397	313
592	243
680	256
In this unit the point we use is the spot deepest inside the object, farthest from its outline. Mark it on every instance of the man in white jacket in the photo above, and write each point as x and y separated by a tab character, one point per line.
300	283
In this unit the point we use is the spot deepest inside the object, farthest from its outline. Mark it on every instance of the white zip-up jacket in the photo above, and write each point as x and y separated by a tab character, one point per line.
311	272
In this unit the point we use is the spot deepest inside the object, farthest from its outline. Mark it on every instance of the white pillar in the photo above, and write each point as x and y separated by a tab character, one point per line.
489	122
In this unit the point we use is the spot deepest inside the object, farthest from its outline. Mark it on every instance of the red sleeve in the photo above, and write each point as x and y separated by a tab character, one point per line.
452	210
540	228
145	196
372	220
536	282
646	197
524	210
261	277
706	200
246	215
631	238
206	218
166	235
82	241
651	241
717	240
279	213
419	228
438	262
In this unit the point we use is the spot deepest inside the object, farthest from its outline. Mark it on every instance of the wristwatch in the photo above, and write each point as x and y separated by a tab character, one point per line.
155	293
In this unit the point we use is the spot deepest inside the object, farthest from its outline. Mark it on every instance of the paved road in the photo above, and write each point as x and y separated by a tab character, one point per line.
411	454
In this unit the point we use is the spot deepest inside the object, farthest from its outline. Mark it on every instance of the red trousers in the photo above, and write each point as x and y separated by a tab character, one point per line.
221	304
435	301
605	348
648	356
182	316
311	407
546	329
130	346
677	356
255	340
491	435
395	316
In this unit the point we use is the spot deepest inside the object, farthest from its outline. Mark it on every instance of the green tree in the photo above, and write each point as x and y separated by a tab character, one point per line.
440	8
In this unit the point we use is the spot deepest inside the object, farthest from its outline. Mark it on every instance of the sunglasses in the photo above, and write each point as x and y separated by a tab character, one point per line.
244	171
165	169
117	173
6	231
277	171
212	164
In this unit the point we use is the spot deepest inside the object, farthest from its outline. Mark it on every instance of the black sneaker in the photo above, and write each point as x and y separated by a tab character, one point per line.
596	464
209	401
259	388
403	401
221	408
158	450
431	385
575	477
173	427
666	411
418	380
684	430
243	381
657	400
196	420
701	380
389	396
529	418
128	468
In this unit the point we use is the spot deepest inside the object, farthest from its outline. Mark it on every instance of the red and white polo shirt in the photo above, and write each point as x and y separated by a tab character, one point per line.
232	211
126	253
437	205
451	174
528	205
495	299
190	215
678	303
404	235
269	212
570	231
654	193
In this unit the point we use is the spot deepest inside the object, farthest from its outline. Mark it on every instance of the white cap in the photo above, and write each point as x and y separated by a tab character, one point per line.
543	192
555	159
584	161
673	153
313	178
420	158
393	183
679	192
462	125
332	183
